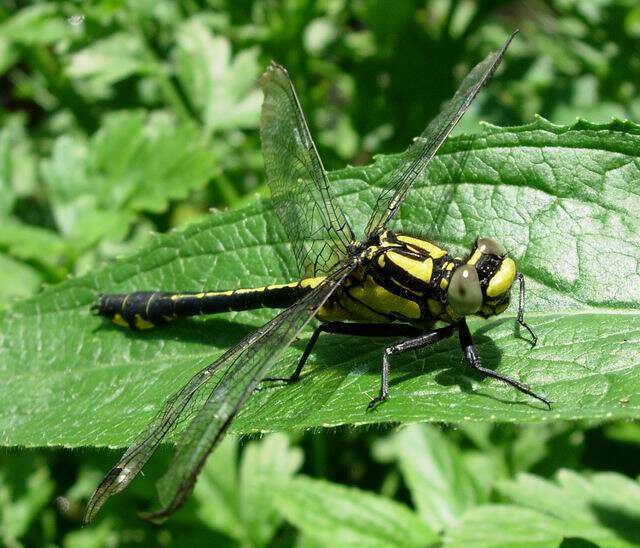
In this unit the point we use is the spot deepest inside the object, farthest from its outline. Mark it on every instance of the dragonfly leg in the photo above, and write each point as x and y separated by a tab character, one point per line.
424	339
473	359
520	316
347	328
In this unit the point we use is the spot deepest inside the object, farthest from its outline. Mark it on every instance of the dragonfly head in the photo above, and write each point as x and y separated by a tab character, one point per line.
482	284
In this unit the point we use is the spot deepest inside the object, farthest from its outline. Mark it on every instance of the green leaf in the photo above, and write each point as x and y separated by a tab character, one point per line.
222	89
558	198
131	164
441	486
265	466
216	490
17	279
25	489
107	61
37	24
241	503
502	526
33	243
337	515
602	508
17	163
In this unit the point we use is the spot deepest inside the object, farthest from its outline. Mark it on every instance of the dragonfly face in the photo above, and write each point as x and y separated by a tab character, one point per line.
482	284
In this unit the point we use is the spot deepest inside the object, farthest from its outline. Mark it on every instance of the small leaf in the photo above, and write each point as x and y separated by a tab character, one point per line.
17	279
216	491
240	504
36	24
33	243
130	165
224	90
342	516
109	60
603	508
501	525
25	490
17	164
266	465
441	486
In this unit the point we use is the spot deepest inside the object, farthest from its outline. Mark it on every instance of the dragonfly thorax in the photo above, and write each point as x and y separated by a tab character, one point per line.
404	278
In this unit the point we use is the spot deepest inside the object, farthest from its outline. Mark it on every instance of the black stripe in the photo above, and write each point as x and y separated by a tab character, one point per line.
382	277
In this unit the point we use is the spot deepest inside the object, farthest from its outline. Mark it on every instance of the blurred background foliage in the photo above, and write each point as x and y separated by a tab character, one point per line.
119	118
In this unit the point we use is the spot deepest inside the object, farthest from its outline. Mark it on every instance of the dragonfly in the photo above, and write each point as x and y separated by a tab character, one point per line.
385	284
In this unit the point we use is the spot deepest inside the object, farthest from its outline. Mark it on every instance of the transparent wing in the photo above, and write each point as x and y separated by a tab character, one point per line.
212	401
424	147
317	228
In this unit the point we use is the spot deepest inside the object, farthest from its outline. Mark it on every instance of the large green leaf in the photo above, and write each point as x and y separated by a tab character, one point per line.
562	199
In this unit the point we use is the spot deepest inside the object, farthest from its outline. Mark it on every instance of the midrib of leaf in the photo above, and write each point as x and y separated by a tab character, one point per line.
69	381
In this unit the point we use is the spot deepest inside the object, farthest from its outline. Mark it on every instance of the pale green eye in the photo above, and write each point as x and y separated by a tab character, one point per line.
487	246
464	293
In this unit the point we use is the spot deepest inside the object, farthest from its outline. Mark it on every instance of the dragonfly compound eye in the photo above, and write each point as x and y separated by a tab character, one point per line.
487	246
464	293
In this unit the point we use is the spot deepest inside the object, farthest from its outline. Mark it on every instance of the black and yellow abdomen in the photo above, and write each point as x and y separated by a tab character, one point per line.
146	309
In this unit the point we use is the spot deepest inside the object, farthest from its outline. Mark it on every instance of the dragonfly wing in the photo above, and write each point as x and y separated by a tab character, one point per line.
210	401
424	147
317	228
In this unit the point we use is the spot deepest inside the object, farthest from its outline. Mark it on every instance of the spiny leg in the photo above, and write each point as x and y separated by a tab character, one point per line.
425	339
473	359
345	328
520	316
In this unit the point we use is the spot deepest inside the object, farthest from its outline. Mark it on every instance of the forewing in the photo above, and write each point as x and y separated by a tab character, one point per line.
213	400
317	228
424	147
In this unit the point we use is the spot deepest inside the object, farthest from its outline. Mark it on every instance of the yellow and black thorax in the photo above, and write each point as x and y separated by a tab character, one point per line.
402	278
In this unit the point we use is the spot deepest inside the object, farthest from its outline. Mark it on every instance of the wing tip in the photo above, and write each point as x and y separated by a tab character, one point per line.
510	38
272	67
114	482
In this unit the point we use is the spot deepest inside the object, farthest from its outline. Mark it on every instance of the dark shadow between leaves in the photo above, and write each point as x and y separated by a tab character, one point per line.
625	524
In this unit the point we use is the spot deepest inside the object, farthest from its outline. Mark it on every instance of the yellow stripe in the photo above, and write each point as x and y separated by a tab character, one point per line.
383	301
141	323
119	320
420	270
502	280
474	258
434	251
312	282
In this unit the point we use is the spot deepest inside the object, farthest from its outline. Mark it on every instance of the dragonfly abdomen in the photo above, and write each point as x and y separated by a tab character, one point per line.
146	309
